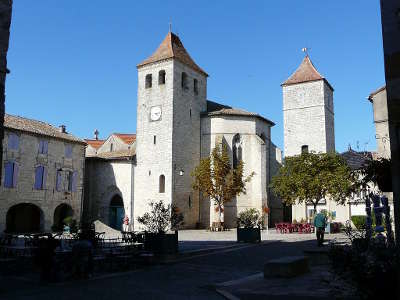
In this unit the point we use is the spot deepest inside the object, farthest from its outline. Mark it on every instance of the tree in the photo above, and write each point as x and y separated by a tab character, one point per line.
215	177
311	177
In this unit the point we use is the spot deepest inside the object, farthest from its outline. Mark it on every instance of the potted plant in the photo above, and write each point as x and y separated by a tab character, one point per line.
157	222
248	226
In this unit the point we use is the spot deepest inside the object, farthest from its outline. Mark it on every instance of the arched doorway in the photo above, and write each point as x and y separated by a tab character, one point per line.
24	218
117	212
60	213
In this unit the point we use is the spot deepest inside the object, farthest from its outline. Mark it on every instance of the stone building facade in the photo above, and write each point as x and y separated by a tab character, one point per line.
308	115
109	179
177	125
5	23
42	180
378	99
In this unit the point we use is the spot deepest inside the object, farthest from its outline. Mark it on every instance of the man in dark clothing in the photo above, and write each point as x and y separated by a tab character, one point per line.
320	224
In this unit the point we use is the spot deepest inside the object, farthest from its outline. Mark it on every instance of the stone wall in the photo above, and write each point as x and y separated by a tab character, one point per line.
308	117
255	153
379	103
5	22
103	180
152	159
49	198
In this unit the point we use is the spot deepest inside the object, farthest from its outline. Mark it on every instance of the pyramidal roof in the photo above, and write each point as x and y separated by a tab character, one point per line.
305	72
172	47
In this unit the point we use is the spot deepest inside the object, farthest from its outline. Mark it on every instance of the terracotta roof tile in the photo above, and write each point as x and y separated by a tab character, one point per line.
216	109
127	138
38	127
172	47
304	73
95	143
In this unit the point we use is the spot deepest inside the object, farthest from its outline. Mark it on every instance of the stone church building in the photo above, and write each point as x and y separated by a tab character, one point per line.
176	126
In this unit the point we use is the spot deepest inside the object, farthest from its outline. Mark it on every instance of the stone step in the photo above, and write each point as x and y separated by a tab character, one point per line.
289	266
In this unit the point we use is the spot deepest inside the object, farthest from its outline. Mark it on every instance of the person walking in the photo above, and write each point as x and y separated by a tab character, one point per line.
320	224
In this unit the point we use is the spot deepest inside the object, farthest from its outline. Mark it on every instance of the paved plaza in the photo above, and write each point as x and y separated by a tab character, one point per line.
191	276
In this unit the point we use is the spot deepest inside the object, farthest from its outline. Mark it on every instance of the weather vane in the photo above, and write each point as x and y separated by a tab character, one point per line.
305	50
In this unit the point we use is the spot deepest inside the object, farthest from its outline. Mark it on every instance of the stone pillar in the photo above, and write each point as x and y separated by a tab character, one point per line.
5	22
390	14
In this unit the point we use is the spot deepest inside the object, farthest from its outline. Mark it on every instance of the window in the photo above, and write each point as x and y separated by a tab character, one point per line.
161	77
195	87
154	139
72	180
149	81
68	151
59	180
190	202
43	146
304	149
11	174
111	147
190	112
184	82
13	141
161	180
236	150
40	177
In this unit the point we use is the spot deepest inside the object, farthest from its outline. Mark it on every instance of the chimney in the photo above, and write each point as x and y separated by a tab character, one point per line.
96	134
63	129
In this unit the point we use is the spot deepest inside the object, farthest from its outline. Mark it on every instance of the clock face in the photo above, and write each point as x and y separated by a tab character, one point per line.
155	113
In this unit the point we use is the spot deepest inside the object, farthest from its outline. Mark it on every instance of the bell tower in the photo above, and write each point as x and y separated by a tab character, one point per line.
171	96
308	114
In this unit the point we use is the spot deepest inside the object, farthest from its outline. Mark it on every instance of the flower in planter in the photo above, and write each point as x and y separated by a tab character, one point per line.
249	218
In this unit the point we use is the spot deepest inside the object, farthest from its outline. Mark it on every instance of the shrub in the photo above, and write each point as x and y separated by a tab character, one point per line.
249	218
294	221
161	217
360	222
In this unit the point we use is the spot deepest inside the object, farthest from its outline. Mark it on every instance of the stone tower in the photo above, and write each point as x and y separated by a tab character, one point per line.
171	97
308	115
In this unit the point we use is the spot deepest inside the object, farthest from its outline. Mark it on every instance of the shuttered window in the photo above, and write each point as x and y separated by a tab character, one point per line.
13	141
43	146
11	174
68	151
40	177
59	181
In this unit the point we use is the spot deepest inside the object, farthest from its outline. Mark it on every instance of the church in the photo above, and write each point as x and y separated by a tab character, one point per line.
177	126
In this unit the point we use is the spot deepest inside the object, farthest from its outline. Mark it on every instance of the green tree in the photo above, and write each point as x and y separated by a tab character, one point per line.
215	177
311	177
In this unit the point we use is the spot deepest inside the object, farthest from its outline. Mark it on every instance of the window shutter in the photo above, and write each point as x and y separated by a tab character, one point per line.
8	170
74	180
45	147
15	175
44	177
38	177
58	180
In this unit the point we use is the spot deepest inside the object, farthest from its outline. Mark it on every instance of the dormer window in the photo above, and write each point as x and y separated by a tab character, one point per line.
184	81
161	77
149	81
195	86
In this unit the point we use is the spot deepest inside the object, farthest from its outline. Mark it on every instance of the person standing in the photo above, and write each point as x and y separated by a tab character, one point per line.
320	224
125	224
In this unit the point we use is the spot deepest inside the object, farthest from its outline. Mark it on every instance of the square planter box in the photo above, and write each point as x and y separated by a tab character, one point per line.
249	235
161	243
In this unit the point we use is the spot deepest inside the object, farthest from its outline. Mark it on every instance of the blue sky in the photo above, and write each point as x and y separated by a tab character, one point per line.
74	62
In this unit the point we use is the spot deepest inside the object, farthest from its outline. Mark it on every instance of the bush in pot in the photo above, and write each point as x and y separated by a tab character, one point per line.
157	222
248	226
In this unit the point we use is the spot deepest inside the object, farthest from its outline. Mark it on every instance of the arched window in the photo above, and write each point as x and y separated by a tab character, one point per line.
149	81
304	149
184	81
161	186
195	86
236	150
161	77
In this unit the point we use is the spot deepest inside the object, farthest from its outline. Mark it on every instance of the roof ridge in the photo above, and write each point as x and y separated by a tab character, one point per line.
29	119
